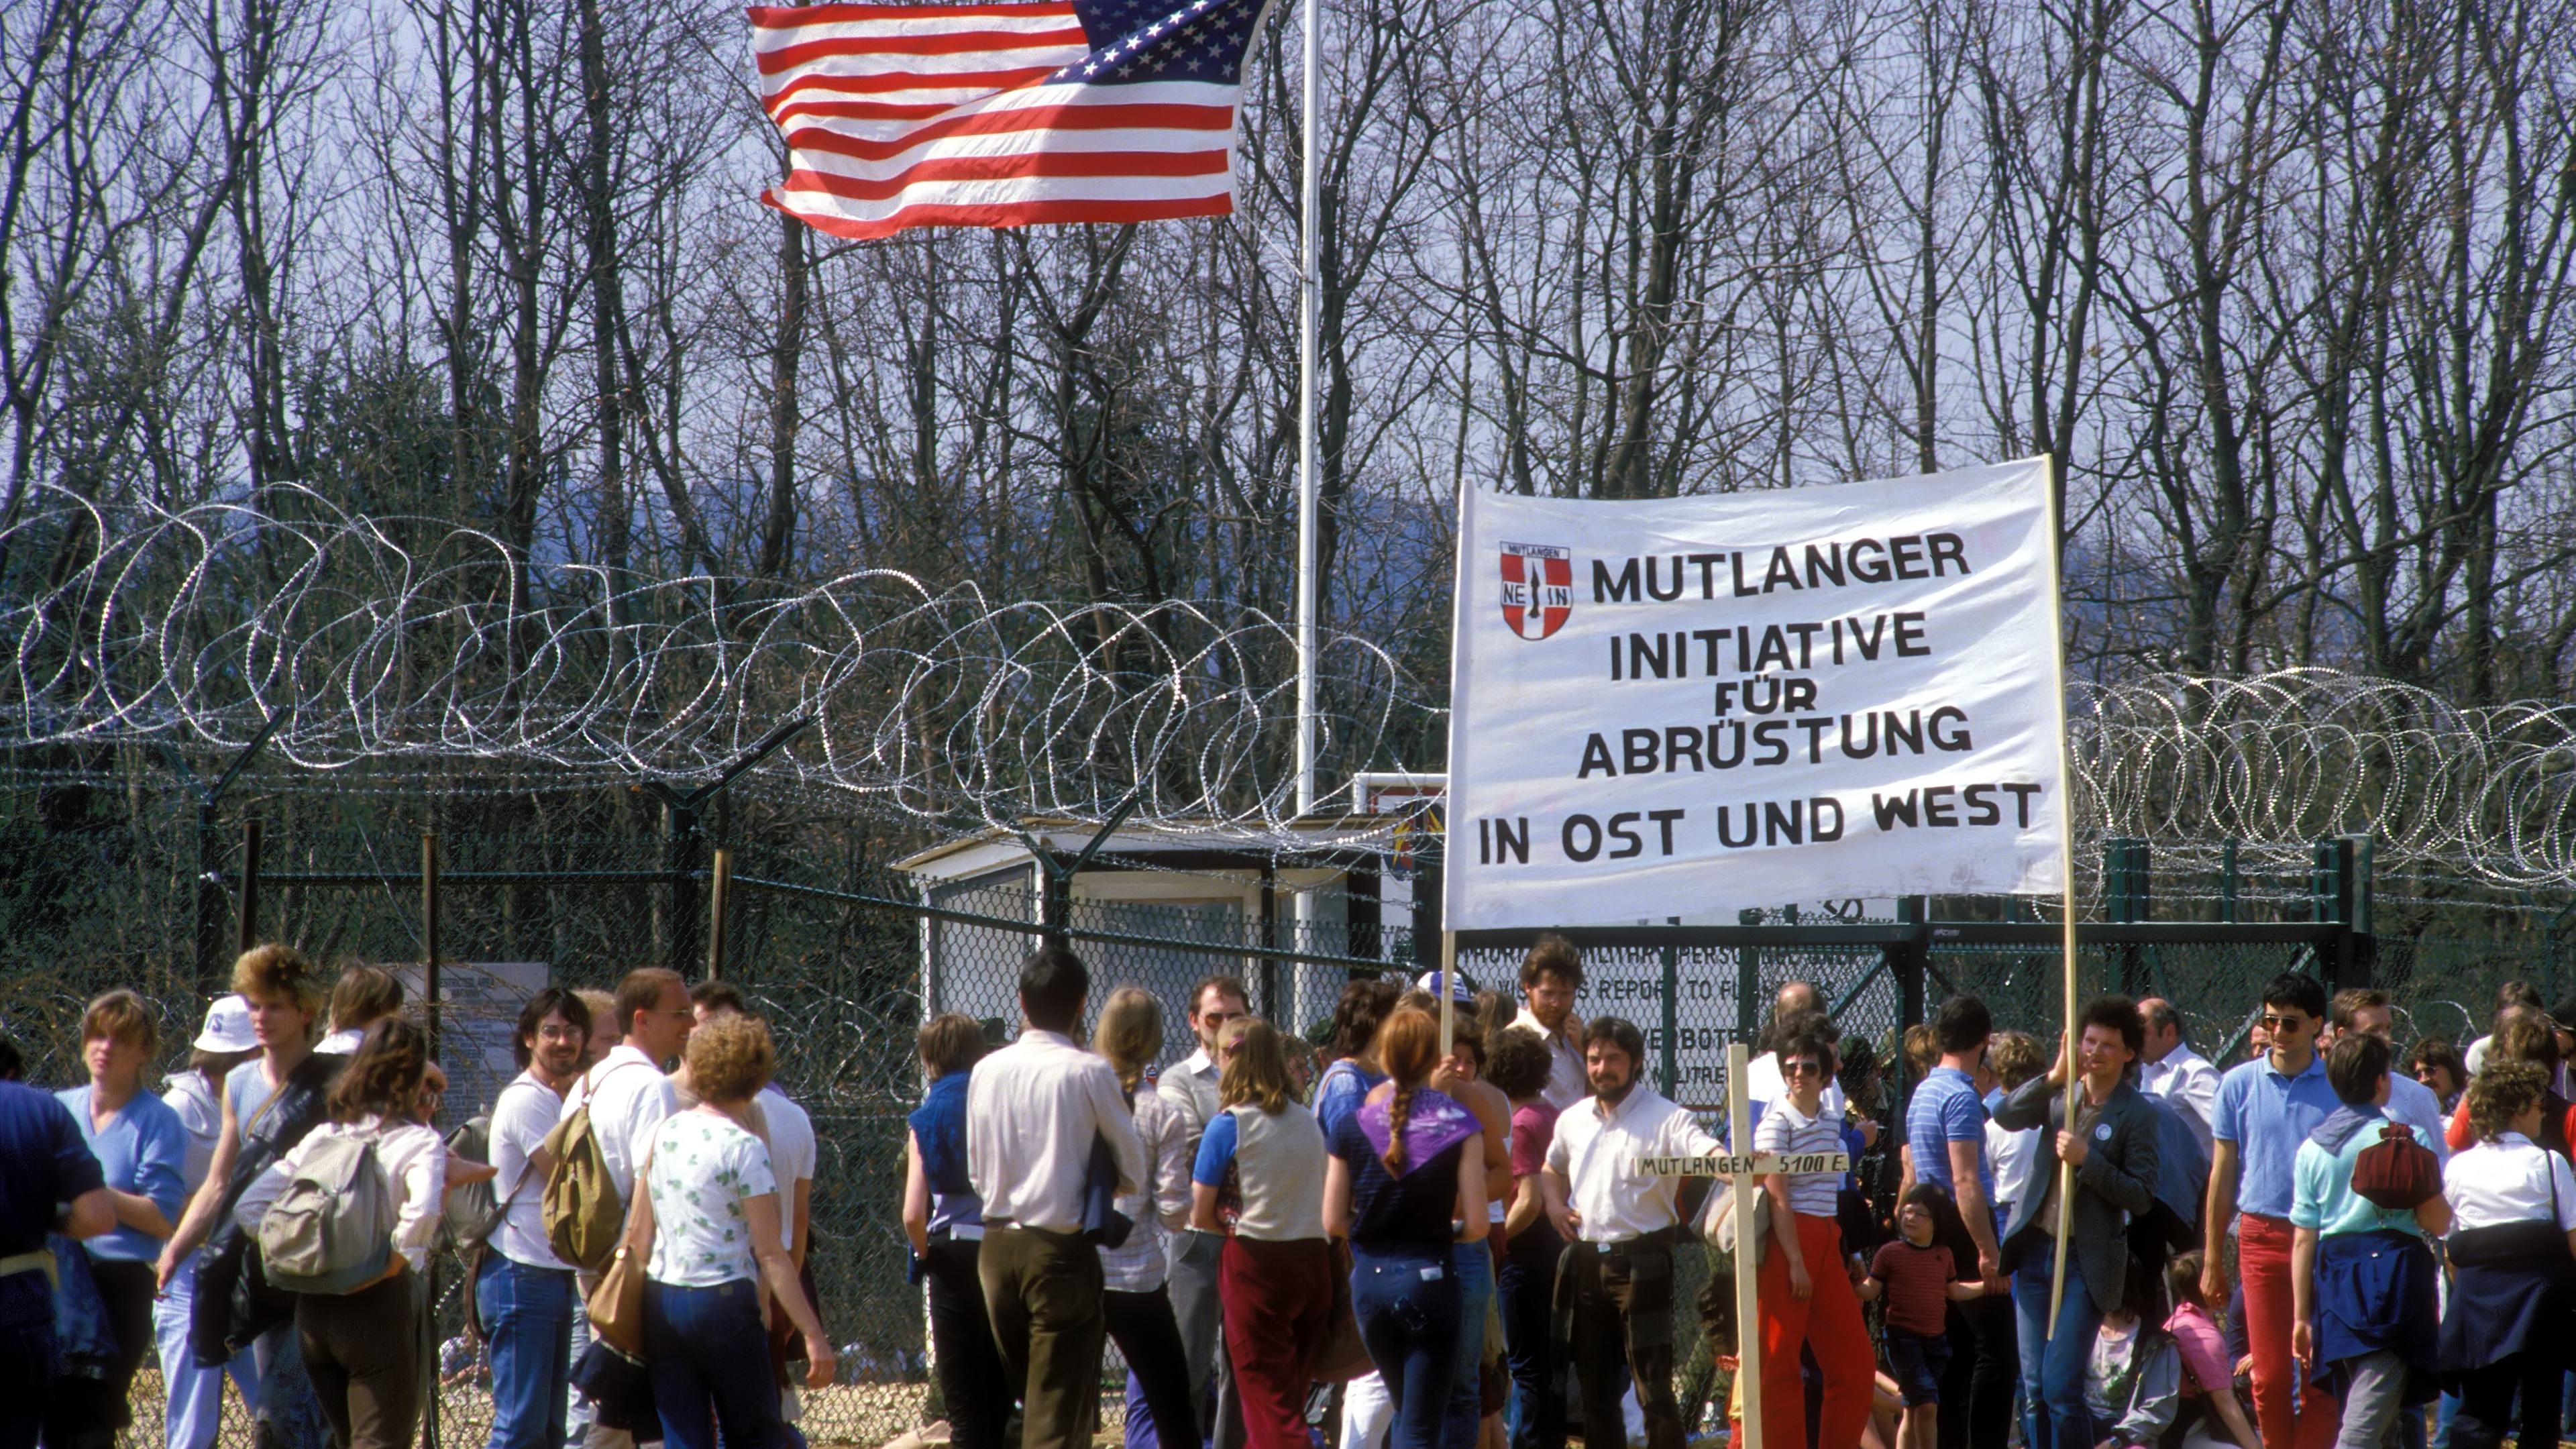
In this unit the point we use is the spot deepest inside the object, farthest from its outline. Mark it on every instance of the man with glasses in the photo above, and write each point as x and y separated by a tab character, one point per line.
1551	975
1190	1086
2266	1109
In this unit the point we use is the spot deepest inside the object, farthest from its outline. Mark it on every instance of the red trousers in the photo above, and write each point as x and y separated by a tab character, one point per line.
1828	1323
2288	1414
1278	1301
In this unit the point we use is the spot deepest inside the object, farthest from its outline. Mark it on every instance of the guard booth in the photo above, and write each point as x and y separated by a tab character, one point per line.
1163	908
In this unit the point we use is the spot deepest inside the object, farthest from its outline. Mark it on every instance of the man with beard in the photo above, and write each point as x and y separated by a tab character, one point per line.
523	1291
1619	1225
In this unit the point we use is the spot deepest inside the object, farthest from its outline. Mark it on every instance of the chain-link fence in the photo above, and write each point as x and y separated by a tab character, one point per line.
845	956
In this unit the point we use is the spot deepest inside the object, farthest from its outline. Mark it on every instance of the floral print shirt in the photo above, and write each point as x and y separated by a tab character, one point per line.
704	1169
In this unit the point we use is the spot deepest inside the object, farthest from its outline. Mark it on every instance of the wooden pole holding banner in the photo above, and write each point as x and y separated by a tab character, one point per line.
1748	1323
1448	990
2066	874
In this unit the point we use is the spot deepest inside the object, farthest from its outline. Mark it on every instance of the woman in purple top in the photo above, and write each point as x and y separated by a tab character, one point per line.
1405	1171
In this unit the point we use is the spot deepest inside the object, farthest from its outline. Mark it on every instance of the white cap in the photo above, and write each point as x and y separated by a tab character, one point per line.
1459	990
227	1027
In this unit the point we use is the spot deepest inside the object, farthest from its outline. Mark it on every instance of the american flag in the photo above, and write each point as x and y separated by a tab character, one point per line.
901	115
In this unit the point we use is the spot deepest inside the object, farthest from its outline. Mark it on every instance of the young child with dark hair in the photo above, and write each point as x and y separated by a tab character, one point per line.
1918	1279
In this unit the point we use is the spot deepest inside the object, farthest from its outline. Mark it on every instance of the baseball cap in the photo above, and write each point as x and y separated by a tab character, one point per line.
227	1027
1459	990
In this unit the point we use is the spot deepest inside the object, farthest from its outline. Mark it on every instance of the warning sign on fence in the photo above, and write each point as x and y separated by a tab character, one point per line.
1680	706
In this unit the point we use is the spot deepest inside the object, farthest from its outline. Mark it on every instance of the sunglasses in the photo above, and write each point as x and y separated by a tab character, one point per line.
2282	1023
1800	1069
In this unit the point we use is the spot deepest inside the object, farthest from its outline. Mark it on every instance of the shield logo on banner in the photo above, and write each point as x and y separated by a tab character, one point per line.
1538	588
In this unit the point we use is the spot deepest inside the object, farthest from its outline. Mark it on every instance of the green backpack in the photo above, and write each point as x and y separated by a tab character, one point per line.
583	1212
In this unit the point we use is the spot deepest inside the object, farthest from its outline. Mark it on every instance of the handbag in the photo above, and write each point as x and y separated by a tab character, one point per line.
619	1387
1342	1356
1103	1225
1718	1226
2397	1172
616	1301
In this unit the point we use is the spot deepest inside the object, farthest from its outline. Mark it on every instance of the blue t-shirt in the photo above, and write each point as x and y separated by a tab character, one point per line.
2269	1116
1947	1109
144	1151
1216	1149
43	1162
1346	1084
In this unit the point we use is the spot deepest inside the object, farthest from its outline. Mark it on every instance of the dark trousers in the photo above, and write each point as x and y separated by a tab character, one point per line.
26	1381
2486	1402
1278	1308
1527	1283
963	1355
709	1356
362	1351
1149	1337
86	1412
1985	1365
1042	1290
1622	1314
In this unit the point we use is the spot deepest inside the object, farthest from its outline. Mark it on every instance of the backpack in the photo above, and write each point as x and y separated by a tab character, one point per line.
331	1229
2397	1172
472	1212
584	1213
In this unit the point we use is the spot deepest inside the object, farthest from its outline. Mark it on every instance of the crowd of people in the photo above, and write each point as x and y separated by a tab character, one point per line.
267	1218
1432	1239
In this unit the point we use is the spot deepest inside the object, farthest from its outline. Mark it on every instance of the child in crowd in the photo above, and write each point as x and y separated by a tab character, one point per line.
2210	1414
1918	1279
2133	1376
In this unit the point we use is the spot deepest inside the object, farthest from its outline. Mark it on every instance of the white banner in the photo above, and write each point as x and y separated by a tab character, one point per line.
1679	707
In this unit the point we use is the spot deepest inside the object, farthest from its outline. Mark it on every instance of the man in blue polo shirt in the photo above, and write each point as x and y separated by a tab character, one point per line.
2266	1109
1945	1134
44	1165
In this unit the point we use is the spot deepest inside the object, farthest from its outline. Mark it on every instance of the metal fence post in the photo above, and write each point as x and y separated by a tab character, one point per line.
680	861
1748	981
429	932
1908	960
716	914
210	903
248	935
1672	964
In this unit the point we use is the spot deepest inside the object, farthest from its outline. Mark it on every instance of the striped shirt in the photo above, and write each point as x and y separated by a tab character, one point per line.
1782	1130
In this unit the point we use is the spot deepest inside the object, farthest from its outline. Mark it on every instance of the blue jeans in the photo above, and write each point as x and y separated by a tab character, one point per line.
709	1353
528	1314
1474	1264
195	1393
1407	1304
2052	1370
1528	1285
26	1382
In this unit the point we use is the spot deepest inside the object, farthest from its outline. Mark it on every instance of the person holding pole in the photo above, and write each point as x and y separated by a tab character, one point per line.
2108	1134
1807	1299
2266	1109
1619	1226
1945	1132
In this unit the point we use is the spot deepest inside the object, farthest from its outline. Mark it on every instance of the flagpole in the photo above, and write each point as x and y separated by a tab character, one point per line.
1309	307
2066	871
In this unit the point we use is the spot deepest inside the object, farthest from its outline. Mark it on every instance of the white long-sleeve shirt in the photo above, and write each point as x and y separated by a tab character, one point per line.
1033	1109
2187	1082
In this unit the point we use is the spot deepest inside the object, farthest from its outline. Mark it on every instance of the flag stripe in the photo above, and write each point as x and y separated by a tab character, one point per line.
985	114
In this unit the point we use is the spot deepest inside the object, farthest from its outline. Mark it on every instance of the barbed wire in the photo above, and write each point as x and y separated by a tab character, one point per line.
399	644
378	643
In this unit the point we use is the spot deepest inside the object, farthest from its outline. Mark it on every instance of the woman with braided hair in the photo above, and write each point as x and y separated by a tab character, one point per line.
1405	1170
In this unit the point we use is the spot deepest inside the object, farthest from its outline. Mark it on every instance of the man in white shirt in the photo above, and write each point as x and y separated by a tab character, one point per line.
2367	1011
1190	1085
1034	1111
629	1097
1619	1227
524	1293
2170	1069
1550	976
